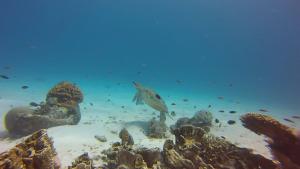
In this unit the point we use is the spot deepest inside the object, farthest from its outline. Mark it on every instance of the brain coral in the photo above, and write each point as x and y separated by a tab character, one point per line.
64	94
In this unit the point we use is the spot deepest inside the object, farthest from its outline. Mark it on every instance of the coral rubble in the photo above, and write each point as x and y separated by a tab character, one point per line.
193	149
36	152
284	143
61	108
82	162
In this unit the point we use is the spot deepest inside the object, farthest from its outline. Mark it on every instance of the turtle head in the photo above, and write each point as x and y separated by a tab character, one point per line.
137	85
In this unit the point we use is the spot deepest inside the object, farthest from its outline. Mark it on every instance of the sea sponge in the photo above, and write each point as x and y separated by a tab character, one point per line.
64	94
285	143
35	152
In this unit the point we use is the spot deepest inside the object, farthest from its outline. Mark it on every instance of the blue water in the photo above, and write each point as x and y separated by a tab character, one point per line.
209	45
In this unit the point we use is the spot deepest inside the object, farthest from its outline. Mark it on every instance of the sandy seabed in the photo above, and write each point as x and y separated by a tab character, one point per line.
106	118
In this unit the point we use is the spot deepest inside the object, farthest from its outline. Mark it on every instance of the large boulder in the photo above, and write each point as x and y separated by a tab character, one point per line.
61	108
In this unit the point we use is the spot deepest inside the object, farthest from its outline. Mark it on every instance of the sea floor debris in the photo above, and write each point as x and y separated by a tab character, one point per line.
193	148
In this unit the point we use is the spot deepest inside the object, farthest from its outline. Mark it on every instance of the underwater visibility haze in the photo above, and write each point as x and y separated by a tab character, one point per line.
96	72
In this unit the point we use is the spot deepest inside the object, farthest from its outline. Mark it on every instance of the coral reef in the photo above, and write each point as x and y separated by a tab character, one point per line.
193	148
64	94
284	143
201	119
35	152
22	121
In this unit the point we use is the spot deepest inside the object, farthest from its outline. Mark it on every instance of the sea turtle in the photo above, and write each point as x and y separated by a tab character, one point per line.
151	98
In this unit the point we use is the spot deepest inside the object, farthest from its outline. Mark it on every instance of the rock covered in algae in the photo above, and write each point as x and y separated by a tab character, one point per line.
64	94
285	142
156	129
36	152
126	138
26	120
82	162
193	149
201	119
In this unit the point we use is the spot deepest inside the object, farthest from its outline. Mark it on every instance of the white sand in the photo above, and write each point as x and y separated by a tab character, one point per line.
108	118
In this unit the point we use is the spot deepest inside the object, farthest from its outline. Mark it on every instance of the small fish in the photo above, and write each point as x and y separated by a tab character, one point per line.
231	122
232	112
173	104
263	110
173	113
209	106
217	120
288	120
4	77
25	87
33	104
296	117
185	100
91	104
220	97
178	81
221	111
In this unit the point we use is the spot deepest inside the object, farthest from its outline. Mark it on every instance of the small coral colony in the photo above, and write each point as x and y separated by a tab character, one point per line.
194	147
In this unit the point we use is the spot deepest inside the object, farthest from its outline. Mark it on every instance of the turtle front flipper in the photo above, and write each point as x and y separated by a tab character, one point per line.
138	99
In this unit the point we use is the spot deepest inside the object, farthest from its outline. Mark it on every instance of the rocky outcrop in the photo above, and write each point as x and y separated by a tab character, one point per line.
35	152
61	108
284	141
